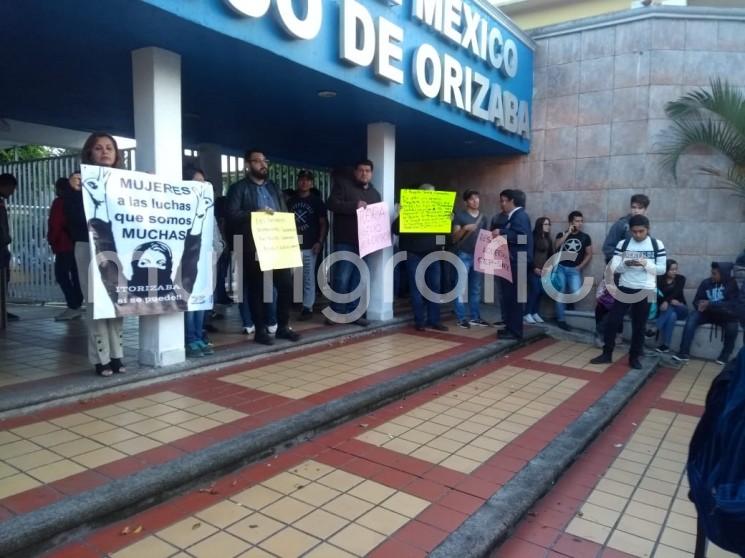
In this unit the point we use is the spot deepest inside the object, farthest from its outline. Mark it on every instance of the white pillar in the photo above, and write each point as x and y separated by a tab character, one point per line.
210	161
381	150
156	79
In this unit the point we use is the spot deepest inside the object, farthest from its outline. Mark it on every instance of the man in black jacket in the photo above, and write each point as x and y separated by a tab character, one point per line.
256	192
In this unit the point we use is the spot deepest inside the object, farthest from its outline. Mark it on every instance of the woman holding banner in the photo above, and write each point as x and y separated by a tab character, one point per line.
104	336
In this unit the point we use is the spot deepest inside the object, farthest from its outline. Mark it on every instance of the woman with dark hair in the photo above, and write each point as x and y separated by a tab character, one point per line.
65	270
542	250
104	336
671	304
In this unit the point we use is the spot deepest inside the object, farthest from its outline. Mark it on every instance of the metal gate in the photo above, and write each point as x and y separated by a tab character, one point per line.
32	260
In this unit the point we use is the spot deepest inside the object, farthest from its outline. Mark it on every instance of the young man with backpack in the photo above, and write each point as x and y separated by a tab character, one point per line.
621	229
716	303
638	260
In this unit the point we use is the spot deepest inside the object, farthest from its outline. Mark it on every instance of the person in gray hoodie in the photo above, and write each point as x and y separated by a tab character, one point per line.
715	303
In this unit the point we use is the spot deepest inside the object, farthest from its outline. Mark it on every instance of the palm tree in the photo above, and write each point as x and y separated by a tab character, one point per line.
714	119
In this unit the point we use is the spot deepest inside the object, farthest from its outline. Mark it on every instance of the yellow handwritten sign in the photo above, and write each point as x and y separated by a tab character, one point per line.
276	241
426	211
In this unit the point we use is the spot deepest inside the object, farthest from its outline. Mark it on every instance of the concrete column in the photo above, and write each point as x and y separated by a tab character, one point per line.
156	79
381	150
210	161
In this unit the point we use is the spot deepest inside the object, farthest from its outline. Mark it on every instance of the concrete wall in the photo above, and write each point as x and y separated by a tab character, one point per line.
597	117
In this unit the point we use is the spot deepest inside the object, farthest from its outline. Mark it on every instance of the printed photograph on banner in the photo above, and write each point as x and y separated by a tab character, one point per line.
373	228
150	241
275	237
492	255
426	211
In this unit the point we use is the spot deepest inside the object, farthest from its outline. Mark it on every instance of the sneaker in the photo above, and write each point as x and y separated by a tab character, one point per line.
439	327
529	319
499	324
194	350
605	358
635	363
663	349
287	333
722	360
206	348
681	357
68	314
537	318
464	324
563	325
305	315
271	329
249	330
362	322
478	322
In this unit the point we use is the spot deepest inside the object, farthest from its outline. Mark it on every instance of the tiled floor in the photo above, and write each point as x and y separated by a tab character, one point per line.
312	510
47	451
303	376
466	427
692	382
573	355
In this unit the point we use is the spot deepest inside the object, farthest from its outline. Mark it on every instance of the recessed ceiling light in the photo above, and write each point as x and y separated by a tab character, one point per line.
327	94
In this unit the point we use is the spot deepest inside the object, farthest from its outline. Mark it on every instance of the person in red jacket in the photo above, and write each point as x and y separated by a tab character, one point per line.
65	270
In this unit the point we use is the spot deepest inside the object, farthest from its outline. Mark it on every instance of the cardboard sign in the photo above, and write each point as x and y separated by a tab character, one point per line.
426	211
492	255
275	236
150	240
373	228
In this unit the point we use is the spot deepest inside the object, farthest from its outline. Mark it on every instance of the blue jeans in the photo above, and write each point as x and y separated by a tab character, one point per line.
345	279
666	322
194	326
432	279
270	310
309	278
535	290
696	319
569	280
474	290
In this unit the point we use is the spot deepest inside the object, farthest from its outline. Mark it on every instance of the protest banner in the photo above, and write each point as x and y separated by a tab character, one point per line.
150	242
373	228
492	255
426	211
276	241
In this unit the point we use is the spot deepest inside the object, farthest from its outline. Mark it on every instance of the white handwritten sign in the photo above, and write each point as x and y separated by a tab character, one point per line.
373	228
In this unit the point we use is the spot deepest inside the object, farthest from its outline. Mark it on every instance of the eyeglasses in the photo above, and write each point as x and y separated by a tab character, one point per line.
265	161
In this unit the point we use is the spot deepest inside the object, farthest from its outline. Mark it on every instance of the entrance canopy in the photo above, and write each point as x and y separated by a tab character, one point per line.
454	78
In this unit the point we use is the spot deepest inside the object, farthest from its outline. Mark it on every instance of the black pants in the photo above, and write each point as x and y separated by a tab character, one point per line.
639	315
253	291
512	310
66	274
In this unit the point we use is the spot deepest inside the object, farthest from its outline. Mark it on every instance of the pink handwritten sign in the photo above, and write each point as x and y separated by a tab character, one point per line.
492	255
373	228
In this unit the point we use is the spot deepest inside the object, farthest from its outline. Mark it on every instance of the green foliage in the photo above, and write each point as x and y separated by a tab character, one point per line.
714	119
30	152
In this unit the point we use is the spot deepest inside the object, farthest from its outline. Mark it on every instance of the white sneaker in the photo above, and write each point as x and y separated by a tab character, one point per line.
272	329
528	319
538	319
249	330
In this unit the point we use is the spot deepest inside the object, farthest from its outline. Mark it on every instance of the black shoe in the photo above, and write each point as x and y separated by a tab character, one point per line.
287	333
563	325
104	370
305	315
463	324
605	358
681	357
118	366
263	338
420	328
12	317
663	349
209	328
635	363
362	322
500	323
722	359
508	336
439	327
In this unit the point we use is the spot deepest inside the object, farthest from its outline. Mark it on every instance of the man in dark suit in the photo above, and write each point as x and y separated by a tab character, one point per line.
519	237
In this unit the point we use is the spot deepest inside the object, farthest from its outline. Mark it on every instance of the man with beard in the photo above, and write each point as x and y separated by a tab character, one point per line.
345	198
256	192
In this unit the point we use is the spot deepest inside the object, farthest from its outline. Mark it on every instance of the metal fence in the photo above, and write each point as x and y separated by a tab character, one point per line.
32	260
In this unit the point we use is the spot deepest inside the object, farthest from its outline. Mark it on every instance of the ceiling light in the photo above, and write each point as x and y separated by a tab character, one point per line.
326	94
